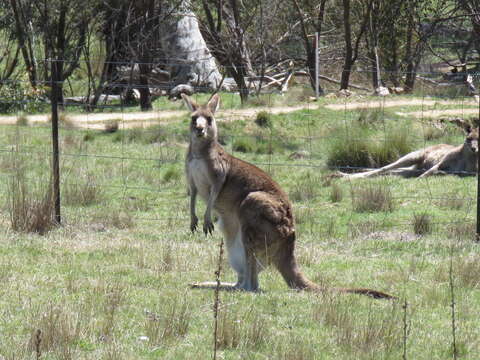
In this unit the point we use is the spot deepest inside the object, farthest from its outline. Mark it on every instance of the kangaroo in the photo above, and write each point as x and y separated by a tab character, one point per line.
433	160
254	213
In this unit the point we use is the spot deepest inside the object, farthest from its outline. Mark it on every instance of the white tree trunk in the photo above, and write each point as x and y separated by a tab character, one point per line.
189	59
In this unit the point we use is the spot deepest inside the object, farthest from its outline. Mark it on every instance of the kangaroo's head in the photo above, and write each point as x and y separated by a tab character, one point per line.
203	127
471	141
471	132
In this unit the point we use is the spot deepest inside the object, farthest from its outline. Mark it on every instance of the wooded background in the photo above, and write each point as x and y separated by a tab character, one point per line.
246	45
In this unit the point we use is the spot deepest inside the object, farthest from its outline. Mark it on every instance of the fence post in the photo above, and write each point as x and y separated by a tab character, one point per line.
55	153
477	235
317	66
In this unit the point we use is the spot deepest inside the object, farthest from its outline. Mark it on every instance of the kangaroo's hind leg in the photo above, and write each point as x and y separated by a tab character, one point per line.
410	160
230	227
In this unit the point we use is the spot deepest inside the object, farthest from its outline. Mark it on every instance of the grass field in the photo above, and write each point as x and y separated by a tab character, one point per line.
112	281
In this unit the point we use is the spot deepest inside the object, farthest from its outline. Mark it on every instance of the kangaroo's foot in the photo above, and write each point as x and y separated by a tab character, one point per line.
213	285
224	286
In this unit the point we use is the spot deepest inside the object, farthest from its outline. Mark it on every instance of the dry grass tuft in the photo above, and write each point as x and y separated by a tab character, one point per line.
372	198
118	219
54	331
461	230
83	193
422	224
295	349
360	334
363	228
113	299
30	211
248	331
170	323
336	193
452	200
305	189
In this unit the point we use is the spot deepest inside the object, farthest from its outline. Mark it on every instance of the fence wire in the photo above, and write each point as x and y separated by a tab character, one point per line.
163	140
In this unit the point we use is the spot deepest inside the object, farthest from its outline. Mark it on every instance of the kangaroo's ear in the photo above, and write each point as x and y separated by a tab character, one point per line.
462	124
214	103
191	104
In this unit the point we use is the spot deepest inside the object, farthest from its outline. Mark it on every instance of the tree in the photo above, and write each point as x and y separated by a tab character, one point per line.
352	40
311	15
225	31
62	26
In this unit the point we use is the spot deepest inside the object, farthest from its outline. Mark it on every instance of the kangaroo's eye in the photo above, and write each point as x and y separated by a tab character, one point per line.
194	119
209	120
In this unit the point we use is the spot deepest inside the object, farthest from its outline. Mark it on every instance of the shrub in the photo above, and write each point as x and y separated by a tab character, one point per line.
336	193
369	116
30	211
263	119
244	144
19	96
362	151
172	174
305	189
84	192
345	153
89	136
422	224
372	198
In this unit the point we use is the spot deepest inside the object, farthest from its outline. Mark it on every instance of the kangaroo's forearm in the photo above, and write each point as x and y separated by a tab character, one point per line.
193	200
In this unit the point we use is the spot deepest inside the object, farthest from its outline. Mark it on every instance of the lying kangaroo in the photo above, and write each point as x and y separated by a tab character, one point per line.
254	213
435	159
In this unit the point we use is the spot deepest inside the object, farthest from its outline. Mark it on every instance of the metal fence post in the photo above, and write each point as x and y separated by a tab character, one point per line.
55	153
477	235
317	66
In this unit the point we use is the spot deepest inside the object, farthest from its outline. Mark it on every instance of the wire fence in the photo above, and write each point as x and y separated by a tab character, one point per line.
358	120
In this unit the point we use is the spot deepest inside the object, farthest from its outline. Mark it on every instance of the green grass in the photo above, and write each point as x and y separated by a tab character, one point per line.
112	281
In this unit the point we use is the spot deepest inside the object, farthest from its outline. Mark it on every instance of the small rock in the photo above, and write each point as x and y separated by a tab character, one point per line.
344	93
382	91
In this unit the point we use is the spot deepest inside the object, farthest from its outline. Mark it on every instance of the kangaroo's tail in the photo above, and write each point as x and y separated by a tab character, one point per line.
287	265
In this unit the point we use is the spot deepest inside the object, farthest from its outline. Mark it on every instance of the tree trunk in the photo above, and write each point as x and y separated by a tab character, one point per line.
190	60
348	63
145	102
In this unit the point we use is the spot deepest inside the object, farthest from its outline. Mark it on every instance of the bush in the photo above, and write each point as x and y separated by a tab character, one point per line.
264	120
172	174
19	96
84	192
422	224
363	151
372	198
31	210
244	144
369	116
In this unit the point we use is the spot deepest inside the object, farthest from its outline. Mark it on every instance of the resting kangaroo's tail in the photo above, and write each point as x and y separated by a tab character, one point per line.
288	267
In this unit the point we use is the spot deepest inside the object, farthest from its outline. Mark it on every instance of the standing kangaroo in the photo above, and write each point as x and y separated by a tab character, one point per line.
254	213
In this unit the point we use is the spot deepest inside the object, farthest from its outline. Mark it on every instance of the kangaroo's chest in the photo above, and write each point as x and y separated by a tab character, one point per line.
198	173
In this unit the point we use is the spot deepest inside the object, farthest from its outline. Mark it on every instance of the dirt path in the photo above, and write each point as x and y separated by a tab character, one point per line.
143	119
381	102
439	113
98	121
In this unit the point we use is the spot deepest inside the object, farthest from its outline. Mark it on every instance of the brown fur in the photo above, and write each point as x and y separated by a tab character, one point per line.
255	214
433	160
